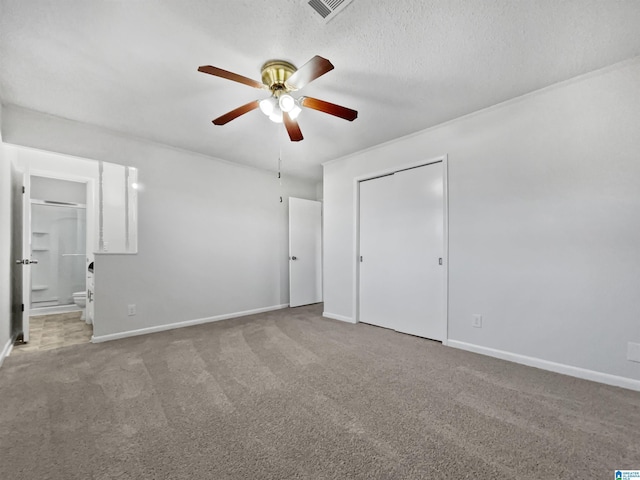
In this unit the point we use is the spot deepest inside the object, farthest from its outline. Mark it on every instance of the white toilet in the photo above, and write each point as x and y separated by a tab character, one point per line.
80	299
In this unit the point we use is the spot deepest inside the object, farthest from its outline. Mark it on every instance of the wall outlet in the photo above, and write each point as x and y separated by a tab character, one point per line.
131	309
477	321
633	352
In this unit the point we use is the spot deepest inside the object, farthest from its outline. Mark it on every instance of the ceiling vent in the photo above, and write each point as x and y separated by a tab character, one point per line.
325	10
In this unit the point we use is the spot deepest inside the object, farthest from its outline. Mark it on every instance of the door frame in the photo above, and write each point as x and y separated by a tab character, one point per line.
90	233
320	263
444	159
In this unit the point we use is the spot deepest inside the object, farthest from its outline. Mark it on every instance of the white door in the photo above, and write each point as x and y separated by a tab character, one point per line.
20	257
305	252
378	252
401	247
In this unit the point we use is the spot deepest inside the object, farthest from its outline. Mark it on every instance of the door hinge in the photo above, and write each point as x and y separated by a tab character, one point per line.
360	258
22	307
23	190
440	261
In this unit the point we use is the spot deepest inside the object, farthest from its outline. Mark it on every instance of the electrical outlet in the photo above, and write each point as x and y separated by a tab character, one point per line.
477	321
633	352
131	309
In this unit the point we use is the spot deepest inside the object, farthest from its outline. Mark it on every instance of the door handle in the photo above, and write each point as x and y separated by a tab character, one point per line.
26	261
294	258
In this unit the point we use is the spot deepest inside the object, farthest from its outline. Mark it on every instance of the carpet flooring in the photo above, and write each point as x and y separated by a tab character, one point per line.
291	395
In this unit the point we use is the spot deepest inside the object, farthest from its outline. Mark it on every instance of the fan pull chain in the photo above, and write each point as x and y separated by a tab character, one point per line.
280	167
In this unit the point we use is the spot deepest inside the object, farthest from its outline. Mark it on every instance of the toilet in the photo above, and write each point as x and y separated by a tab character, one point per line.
80	299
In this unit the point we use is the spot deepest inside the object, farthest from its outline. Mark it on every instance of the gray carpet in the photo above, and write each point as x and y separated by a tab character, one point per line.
289	394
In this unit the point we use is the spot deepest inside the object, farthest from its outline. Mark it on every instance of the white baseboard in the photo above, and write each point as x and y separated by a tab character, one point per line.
583	373
36	312
186	323
335	316
6	350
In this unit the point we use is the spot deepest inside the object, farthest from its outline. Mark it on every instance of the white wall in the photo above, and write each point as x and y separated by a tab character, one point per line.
5	246
113	208
46	188
212	236
544	230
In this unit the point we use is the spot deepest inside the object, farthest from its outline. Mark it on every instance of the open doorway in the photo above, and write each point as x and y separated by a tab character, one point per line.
58	279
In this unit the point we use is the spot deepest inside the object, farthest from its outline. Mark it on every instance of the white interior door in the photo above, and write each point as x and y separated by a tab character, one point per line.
378	252
401	247
20	256
305	252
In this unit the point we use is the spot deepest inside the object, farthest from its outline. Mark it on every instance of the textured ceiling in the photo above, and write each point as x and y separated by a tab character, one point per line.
405	65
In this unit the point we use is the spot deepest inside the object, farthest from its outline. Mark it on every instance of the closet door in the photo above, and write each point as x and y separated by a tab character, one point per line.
419	224
401	243
377	212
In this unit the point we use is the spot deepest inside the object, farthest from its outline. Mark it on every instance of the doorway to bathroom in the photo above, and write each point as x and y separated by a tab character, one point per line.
67	189
57	284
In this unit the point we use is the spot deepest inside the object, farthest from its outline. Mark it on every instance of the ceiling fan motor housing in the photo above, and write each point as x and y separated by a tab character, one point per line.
275	73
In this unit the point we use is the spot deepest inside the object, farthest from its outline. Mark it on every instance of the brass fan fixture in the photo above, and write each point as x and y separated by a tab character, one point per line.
281	78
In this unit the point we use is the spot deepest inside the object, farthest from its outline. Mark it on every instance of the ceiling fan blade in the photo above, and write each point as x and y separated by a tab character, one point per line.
293	129
218	72
314	68
233	114
330	108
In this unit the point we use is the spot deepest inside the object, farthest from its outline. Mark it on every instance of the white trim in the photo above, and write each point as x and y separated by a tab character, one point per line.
577	372
115	253
6	350
355	294
39	311
335	316
444	159
445	245
186	323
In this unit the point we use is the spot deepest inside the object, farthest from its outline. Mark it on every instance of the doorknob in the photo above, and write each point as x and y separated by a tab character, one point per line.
294	258
26	261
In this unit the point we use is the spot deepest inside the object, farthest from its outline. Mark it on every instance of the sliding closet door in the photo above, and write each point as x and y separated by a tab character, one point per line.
401	243
419	226
377	255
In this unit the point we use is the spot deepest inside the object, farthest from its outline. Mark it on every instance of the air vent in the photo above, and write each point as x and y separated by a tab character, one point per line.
325	10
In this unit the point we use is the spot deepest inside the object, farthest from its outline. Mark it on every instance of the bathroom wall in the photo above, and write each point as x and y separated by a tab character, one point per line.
53	165
58	235
53	189
48	164
212	235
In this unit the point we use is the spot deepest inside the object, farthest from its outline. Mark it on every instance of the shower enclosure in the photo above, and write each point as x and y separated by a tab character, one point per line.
58	243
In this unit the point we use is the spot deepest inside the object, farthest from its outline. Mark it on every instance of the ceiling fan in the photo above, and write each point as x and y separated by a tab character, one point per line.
281	78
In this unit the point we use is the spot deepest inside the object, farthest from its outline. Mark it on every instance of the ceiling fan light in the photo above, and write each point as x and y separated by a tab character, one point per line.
276	116
286	102
295	111
268	105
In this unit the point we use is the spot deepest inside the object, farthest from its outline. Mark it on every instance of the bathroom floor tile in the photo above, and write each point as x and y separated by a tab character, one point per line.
47	332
